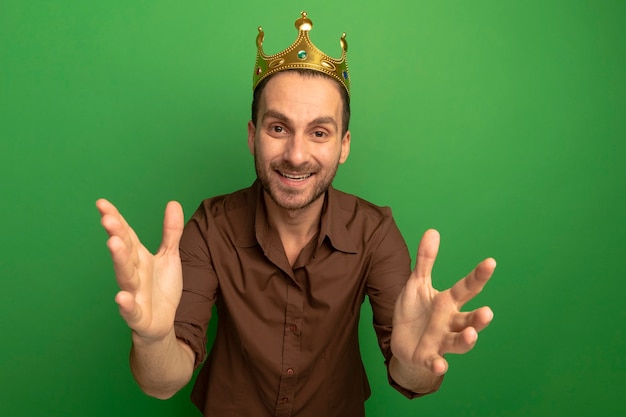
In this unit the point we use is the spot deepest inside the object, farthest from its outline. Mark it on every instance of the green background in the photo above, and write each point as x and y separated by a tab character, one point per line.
500	123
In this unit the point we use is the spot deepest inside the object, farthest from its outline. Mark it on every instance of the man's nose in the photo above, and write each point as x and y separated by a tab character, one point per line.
296	149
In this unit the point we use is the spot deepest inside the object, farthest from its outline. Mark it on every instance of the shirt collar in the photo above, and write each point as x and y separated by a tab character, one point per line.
335	217
334	221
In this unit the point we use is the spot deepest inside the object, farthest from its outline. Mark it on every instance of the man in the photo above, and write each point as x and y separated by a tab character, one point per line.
288	263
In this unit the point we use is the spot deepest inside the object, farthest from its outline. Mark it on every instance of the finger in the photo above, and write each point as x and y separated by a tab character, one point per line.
115	224
426	254
438	365
129	309
123	245
104	206
459	342
468	287
109	217
107	209
460	321
478	319
173	224
124	265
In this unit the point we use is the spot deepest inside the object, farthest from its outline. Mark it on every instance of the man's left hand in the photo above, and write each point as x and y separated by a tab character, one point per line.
427	324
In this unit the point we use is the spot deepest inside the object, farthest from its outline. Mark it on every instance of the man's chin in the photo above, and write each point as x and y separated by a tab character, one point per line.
293	201
291	204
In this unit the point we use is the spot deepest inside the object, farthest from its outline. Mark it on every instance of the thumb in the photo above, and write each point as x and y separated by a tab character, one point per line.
173	224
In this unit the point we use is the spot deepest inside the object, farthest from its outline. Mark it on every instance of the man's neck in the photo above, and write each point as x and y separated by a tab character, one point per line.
295	227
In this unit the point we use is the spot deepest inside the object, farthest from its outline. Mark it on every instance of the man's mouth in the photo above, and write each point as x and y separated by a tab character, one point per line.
295	177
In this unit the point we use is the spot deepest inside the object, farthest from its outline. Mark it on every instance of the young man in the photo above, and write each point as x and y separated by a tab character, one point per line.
288	263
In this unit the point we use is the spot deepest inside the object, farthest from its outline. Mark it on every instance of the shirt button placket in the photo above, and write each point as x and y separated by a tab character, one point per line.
291	351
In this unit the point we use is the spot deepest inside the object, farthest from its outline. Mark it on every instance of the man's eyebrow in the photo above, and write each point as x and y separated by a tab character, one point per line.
325	120
275	115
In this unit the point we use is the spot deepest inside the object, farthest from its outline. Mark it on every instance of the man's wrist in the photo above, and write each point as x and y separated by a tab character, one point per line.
415	379
145	341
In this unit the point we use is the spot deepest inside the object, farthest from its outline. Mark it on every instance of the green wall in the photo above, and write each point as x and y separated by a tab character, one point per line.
500	123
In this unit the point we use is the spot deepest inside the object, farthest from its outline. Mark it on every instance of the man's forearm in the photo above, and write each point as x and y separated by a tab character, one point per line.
163	367
418	381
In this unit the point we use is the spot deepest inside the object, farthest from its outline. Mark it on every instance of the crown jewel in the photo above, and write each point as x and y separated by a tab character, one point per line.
301	54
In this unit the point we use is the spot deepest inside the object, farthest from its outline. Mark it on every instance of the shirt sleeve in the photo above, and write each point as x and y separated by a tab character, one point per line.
390	269
200	285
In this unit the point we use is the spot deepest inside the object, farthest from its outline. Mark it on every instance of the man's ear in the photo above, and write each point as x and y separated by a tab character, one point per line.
345	147
251	135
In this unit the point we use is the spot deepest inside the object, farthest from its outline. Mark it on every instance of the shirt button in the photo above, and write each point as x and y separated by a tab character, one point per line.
284	400
290	371
293	327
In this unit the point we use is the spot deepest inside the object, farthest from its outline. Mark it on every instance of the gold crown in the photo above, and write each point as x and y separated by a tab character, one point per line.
302	54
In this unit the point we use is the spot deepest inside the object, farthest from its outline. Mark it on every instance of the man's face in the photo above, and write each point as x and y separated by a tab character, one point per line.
297	142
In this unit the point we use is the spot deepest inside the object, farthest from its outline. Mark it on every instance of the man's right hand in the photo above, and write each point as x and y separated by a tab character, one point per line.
150	285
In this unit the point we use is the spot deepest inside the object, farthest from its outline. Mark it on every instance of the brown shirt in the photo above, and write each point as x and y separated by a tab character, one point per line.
287	338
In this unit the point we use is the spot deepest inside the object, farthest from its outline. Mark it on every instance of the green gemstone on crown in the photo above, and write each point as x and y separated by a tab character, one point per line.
302	55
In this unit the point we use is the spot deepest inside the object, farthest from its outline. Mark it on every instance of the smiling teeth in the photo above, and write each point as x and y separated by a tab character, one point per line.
296	177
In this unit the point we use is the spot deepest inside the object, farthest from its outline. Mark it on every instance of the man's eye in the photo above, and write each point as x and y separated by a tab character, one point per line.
278	129
319	134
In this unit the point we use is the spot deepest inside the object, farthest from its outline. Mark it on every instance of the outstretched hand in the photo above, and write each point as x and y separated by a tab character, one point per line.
150	285
427	324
